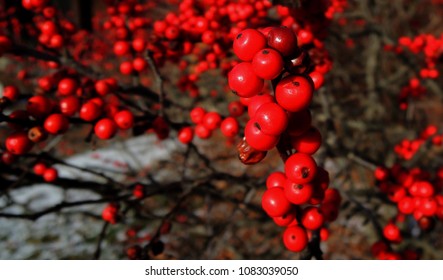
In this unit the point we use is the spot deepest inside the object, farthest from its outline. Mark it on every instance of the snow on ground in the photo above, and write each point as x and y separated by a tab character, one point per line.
73	236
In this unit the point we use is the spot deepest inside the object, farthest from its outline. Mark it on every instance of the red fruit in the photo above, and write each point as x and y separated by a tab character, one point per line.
295	238
39	106
18	143
317	78
257	139
90	111
105	128
126	68
67	86
56	41
172	33
197	115
298	193
56	124
243	81
247	43
185	135
11	92
271	119
312	218
48	27
40	168
202	131
50	174
69	105
428	207
276	179
299	123
8	158
267	64
121	48
211	120
283	40
229	127
307	143
5	44
102	87
45	83
406	205
109	213
381	173
300	168
236	109
305	37
286	219
124	119
392	233
324	234
139	44
257	101
294	93
275	203
139	64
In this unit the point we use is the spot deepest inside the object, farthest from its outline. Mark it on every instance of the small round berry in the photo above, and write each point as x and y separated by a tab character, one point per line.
39	168
185	135
247	43
312	218
121	48
307	143
202	131
243	81
294	93
67	86
211	120
295	238
197	114
275	203
11	92
236	109
267	64
392	233
18	143
39	106
69	105
283	40
105	128
300	168
298	193
229	127
271	119
276	179
257	101
124	119
90	111
257	139
50	174
56	124
287	219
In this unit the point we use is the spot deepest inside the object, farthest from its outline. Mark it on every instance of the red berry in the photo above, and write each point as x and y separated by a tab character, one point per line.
56	124
276	179
197	115
121	48
236	109
139	64
294	93
229	127
257	101
40	168
317	78
257	139
392	233
11	92
312	218
267	64
69	105
18	143
298	193
406	205
50	174
102	87
185	135
300	168
307	143
271	119
126	68
283	40
286	219
275	203
105	129
211	120
243	81
295	238
381	173
124	119
39	106
247	43
90	111
202	131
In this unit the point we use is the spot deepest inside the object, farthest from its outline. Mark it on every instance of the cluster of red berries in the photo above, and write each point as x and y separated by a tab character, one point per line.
206	123
382	251
406	149
291	197
49	174
416	194
413	90
430	46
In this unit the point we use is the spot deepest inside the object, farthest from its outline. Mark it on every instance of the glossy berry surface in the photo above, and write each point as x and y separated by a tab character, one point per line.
243	81
294	93
295	238
267	64
257	139
300	168
271	119
247	43
275	203
283	40
105	129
